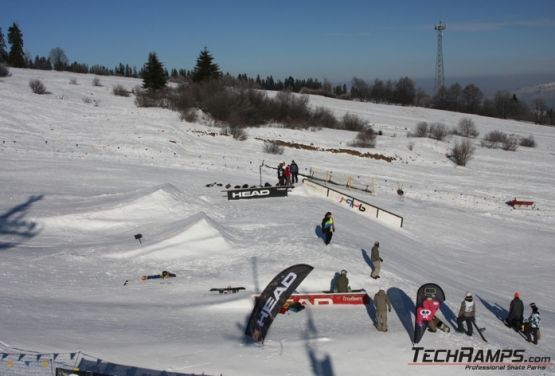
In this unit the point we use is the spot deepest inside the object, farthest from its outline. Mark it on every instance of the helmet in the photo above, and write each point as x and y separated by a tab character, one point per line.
343	271
376	243
468	294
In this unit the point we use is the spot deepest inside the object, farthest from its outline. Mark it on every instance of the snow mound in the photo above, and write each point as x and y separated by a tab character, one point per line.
201	236
159	204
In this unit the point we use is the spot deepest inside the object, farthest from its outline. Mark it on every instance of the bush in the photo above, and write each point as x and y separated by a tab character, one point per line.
528	142
365	138
466	128
421	130
462	152
4	71
438	131
323	117
148	98
120	91
238	133
493	139
96	82
73	81
510	143
272	148
354	123
37	87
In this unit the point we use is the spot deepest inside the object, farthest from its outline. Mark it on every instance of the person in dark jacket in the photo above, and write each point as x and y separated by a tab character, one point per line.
281	174
294	172
328	227
376	260
342	283
467	313
516	311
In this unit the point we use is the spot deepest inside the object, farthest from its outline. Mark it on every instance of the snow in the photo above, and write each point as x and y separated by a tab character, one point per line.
79	180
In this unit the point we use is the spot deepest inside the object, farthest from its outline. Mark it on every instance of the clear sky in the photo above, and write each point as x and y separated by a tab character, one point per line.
336	40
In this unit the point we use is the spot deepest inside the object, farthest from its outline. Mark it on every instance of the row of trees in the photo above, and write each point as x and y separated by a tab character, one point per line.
468	99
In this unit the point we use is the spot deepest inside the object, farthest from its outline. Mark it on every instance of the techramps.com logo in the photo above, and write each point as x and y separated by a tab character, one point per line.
480	359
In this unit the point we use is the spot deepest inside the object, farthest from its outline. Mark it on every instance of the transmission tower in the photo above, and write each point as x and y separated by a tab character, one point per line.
440	77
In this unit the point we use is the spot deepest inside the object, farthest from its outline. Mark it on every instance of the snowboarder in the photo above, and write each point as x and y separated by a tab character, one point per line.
342	283
467	313
382	307
294	172
328	227
281	174
516	311
376	260
532	325
165	274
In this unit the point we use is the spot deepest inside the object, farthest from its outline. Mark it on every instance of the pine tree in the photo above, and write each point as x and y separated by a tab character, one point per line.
3	50
154	76
205	68
16	58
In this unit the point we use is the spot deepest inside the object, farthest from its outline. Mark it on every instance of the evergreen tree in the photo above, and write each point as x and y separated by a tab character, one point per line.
3	50
206	69
154	76
16	57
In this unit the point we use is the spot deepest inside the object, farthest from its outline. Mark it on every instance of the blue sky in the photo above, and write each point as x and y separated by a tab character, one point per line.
336	40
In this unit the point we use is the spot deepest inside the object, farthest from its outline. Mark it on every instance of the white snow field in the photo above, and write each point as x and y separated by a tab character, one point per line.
82	171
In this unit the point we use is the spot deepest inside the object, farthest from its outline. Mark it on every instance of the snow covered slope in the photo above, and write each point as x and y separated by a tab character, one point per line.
83	171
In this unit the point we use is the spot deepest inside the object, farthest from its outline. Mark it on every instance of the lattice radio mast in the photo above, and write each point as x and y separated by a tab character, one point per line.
440	77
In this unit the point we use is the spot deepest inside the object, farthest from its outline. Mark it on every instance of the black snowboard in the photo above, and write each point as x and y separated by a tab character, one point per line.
227	290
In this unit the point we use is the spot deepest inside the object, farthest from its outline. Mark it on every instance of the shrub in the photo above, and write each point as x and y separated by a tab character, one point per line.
73	81
365	138
528	142
4	71
148	98
323	117
467	128
462	152
120	91
438	131
510	143
272	148
37	87
238	133
354	123
421	130
96	82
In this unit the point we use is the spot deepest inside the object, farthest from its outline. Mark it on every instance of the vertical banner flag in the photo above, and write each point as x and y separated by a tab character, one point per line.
272	298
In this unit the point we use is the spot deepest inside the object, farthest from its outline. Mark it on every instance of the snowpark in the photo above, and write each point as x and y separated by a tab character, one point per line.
83	171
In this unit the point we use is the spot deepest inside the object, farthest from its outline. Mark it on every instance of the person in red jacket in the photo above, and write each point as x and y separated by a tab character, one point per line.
287	174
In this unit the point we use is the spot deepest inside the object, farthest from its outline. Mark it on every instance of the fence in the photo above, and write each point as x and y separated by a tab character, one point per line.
362	183
361	207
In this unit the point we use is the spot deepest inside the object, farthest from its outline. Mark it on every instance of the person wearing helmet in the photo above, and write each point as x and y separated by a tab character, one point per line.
467	313
516	313
342	283
376	260
532	327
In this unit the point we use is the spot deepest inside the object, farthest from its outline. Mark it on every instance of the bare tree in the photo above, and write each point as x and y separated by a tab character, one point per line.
58	58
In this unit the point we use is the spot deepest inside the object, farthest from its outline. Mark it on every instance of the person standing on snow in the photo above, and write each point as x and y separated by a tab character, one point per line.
342	283
281	174
287	175
328	227
382	307
532	330
376	260
467	313
294	172
516	313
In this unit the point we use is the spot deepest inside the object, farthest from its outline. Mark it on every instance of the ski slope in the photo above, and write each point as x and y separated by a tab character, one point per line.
83	171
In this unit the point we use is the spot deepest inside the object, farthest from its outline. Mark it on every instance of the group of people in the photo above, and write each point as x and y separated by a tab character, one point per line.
288	174
515	319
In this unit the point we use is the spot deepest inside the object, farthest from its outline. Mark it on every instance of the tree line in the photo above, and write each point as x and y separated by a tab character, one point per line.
468	99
